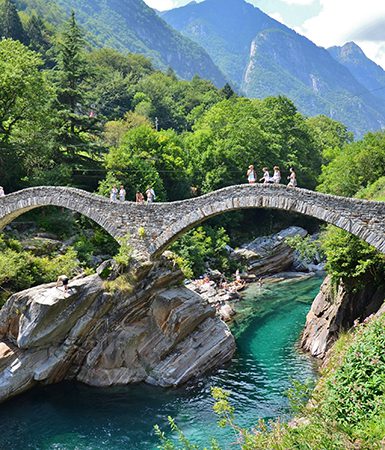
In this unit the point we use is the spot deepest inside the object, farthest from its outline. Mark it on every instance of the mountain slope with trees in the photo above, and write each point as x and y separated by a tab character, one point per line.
130	25
264	57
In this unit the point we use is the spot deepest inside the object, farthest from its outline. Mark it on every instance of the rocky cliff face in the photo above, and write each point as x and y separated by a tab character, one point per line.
152	333
270	254
335	309
366	71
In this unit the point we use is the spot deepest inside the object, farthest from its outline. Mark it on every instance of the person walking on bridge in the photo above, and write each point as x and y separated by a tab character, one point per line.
150	193
292	178
276	176
113	193
122	193
251	175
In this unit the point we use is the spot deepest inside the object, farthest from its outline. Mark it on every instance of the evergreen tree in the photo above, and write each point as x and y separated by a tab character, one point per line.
10	23
37	35
77	119
227	91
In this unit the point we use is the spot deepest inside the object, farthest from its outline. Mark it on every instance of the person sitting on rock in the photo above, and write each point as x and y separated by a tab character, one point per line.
63	280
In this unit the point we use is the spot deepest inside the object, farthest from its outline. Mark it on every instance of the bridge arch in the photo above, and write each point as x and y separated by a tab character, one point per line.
365	219
91	206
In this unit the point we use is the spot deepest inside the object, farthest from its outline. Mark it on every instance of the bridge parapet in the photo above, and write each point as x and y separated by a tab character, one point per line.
153	227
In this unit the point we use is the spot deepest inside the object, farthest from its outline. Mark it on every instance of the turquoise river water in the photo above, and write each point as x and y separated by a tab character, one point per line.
76	417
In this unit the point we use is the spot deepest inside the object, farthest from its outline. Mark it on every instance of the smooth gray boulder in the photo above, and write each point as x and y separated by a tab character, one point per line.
102	336
270	254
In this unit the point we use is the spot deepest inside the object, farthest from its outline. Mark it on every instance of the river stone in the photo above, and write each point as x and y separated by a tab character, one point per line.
159	333
269	254
212	341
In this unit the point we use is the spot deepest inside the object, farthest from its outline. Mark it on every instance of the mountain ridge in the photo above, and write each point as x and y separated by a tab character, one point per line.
365	70
264	57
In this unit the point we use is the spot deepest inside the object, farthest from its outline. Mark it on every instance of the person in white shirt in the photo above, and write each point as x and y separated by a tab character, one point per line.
293	178
276	176
2	193
150	194
251	175
122	194
266	175
113	194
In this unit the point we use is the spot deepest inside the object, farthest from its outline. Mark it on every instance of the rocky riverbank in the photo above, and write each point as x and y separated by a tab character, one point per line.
267	259
337	308
154	330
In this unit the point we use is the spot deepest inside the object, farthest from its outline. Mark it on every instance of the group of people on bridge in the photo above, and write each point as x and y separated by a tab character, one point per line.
276	178
120	194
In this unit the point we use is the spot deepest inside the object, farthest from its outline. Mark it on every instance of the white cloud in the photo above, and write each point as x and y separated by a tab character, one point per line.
343	20
277	16
299	2
375	51
163	5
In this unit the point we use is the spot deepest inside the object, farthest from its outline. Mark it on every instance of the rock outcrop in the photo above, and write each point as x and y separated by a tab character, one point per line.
270	254
335	309
146	331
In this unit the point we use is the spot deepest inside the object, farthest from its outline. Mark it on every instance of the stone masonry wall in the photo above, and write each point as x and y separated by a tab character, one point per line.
153	227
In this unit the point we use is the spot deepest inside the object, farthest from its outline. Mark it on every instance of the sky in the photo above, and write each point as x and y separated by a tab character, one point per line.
325	22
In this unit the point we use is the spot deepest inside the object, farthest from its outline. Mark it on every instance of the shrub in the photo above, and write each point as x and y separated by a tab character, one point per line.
349	257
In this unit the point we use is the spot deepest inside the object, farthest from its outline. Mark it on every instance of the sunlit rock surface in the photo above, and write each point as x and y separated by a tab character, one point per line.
335	309
270	254
157	334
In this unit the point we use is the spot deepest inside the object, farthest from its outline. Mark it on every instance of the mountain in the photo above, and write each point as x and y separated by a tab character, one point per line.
264	57
130	25
225	28
367	72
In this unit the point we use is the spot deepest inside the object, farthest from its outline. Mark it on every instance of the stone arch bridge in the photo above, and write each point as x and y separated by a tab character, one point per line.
154	227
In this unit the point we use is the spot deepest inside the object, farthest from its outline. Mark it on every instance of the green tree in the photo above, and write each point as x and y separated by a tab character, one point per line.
149	158
39	37
329	134
10	23
355	167
238	132
204	247
227	91
25	98
77	121
349	258
113	75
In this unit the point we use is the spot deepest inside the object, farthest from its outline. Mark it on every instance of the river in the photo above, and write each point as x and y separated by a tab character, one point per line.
72	416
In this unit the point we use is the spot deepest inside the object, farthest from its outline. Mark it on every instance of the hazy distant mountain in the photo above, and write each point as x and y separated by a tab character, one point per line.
367	72
264	57
131	25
